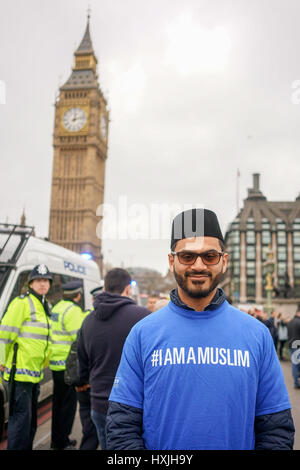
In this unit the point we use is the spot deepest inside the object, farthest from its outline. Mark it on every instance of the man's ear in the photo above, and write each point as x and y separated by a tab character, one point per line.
127	291
171	262
225	261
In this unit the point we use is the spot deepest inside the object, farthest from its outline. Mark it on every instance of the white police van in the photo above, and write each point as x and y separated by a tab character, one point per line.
20	251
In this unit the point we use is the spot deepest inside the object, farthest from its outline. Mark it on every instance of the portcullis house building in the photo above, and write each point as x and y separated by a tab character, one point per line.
263	225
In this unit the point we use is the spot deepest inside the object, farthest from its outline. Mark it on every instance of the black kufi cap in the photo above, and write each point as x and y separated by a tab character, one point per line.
195	223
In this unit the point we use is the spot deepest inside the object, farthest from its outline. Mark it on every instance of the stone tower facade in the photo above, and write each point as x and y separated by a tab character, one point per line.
80	151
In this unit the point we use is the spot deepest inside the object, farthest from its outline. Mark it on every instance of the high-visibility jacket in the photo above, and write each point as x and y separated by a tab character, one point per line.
66	320
87	312
26	323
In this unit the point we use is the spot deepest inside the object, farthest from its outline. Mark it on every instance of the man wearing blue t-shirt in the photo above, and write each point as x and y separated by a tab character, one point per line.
199	373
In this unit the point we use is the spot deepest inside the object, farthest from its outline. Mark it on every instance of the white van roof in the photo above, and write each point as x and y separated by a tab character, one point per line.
57	258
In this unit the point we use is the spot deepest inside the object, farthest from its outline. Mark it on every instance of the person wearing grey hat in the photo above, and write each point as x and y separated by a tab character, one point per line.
67	317
25	334
199	373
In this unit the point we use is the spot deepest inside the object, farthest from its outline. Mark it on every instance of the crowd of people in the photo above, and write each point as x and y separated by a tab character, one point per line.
149	377
285	332
278	326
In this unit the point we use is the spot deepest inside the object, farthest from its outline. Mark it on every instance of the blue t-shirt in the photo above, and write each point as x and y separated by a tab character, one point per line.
200	378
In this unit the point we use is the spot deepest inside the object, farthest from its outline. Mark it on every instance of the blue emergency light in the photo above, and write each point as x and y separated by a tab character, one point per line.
86	255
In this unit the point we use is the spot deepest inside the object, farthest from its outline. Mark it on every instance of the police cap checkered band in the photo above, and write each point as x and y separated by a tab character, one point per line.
73	287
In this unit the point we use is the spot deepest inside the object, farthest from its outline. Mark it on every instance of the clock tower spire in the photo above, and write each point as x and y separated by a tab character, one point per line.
80	144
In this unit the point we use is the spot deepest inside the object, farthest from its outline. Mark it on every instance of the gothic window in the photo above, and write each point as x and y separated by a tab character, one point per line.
250	252
250	287
296	238
296	224
281	253
296	253
236	268
250	236
250	268
281	268
265	237
280	224
297	269
281	238
235	237
236	253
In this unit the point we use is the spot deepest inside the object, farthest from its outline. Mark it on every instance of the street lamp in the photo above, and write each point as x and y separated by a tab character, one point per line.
269	266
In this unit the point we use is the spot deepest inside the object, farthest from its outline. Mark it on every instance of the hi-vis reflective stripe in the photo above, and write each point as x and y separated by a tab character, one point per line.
61	342
35	324
57	363
24	334
11	329
63	317
32	309
64	333
30	373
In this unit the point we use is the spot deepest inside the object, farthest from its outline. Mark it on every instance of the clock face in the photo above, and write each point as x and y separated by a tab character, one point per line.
74	119
103	127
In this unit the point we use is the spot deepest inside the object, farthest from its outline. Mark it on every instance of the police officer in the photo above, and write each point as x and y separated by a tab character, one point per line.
25	332
67	317
97	291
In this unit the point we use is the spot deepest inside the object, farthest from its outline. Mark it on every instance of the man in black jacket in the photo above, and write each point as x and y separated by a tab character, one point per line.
101	339
294	346
199	373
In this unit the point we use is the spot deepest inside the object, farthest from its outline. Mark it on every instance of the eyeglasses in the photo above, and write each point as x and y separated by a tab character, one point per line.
209	258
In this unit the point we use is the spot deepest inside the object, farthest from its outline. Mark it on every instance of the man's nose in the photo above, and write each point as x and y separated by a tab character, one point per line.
199	263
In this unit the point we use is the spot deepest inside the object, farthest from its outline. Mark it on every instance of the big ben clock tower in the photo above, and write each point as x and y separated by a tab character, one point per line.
80	152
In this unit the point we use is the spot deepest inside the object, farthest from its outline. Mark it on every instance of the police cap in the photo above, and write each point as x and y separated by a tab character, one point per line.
73	287
40	271
97	290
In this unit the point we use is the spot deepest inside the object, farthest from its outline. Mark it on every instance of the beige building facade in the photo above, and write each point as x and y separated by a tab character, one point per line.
263	226
80	144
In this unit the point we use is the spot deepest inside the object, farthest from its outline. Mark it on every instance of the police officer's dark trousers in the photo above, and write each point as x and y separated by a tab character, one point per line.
63	411
89	439
22	425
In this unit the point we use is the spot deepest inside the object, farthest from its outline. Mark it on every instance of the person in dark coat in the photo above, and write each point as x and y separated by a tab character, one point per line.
89	440
270	323
294	346
101	339
282	334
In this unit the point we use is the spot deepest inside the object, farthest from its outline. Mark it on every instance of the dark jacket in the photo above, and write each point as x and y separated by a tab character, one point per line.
124	422
270	323
100	343
294	331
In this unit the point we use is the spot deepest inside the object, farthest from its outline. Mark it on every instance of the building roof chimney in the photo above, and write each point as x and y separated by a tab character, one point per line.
255	192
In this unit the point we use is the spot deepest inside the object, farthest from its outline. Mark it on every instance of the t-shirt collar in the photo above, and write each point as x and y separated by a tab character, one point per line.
218	299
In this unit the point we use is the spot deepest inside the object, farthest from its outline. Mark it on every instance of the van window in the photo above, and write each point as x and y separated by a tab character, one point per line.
55	293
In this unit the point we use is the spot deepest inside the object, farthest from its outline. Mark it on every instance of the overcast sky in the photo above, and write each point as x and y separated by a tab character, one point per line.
196	90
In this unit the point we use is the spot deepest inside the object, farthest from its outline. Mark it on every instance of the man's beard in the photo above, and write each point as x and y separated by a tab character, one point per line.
197	293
